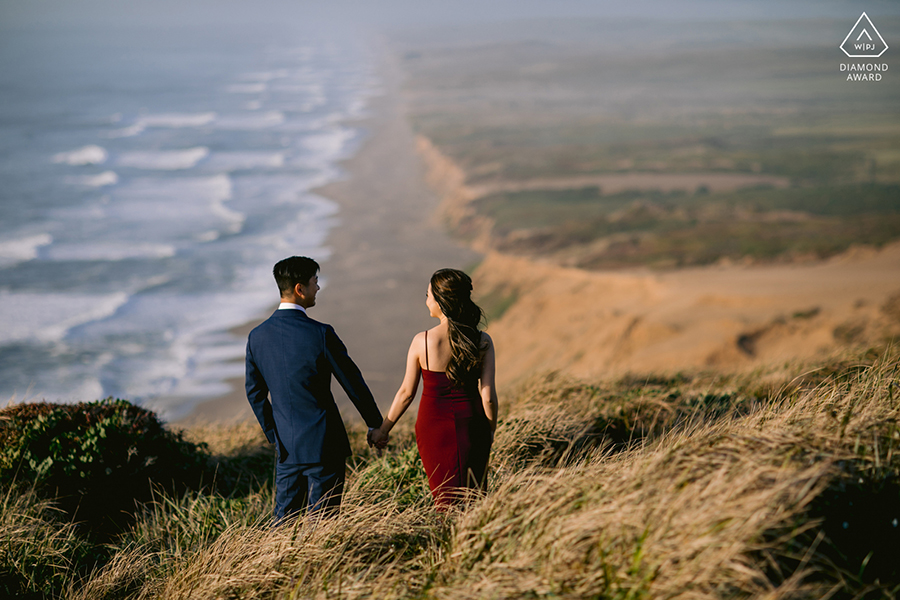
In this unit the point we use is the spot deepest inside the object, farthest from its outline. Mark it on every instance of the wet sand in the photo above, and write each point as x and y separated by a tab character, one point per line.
384	249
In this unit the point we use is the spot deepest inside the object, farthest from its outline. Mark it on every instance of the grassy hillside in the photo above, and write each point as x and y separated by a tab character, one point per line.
779	484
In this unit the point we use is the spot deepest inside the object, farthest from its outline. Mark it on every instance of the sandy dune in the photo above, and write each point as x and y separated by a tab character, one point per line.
592	324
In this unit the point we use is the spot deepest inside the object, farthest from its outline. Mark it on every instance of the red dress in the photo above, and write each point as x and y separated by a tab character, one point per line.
453	436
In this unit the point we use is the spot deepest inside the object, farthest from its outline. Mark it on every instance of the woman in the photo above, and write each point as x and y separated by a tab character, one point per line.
458	412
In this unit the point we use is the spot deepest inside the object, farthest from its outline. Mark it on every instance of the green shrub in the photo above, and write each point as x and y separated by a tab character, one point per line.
96	458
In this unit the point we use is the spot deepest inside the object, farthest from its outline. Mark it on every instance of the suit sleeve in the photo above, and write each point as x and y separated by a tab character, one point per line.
350	378
258	395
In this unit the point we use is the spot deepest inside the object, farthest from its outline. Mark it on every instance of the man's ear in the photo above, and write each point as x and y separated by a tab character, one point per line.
298	289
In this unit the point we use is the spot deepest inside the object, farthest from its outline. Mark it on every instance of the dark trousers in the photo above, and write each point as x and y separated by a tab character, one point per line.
317	486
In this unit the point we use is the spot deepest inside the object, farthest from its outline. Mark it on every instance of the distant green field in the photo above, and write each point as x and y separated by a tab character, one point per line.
679	229
573	99
745	144
518	110
536	208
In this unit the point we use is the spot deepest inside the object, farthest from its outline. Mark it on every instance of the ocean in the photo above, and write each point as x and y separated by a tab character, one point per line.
149	180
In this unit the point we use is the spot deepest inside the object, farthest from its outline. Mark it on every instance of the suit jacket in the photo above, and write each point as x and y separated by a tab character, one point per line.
293	357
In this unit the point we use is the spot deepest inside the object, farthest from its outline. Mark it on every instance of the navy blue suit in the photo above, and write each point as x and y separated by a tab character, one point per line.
292	358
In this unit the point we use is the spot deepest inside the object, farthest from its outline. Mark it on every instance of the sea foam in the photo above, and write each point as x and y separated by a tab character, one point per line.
87	155
29	316
163	120
232	161
327	146
100	180
177	120
163	160
23	249
130	131
107	251
249	122
175	209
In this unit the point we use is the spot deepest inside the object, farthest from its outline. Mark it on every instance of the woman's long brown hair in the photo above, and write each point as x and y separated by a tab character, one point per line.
452	290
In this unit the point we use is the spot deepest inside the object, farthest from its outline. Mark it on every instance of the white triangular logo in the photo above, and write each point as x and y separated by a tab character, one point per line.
859	43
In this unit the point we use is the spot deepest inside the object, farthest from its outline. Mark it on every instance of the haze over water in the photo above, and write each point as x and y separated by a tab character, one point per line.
150	180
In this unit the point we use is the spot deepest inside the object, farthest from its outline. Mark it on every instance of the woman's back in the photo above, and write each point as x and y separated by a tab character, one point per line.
437	349
452	432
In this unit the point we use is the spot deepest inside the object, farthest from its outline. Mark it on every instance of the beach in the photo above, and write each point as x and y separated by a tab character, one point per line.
387	243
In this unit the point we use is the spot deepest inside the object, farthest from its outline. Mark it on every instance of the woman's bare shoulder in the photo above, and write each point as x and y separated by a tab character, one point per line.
486	341
417	348
418	340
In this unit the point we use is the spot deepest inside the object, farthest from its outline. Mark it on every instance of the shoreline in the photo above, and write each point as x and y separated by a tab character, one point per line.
384	248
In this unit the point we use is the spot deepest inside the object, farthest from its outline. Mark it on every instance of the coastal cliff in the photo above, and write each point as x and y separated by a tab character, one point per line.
548	317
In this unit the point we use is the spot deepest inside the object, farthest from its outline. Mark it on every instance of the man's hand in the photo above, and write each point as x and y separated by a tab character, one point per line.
378	439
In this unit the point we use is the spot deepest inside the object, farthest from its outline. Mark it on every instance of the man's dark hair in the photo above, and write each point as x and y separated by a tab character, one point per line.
291	271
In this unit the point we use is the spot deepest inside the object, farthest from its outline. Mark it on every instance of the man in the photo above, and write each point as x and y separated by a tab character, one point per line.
293	357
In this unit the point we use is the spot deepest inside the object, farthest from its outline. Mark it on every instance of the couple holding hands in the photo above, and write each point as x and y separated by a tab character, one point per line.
291	359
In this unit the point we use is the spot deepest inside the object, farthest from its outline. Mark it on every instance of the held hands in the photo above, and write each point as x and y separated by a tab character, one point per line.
378	439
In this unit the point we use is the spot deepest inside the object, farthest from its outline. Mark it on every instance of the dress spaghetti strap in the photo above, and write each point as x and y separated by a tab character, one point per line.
426	350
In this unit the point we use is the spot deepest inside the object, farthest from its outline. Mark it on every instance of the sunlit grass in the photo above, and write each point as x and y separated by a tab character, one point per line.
695	485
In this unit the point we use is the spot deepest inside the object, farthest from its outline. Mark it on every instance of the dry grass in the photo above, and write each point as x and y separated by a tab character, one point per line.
699	486
38	550
707	509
